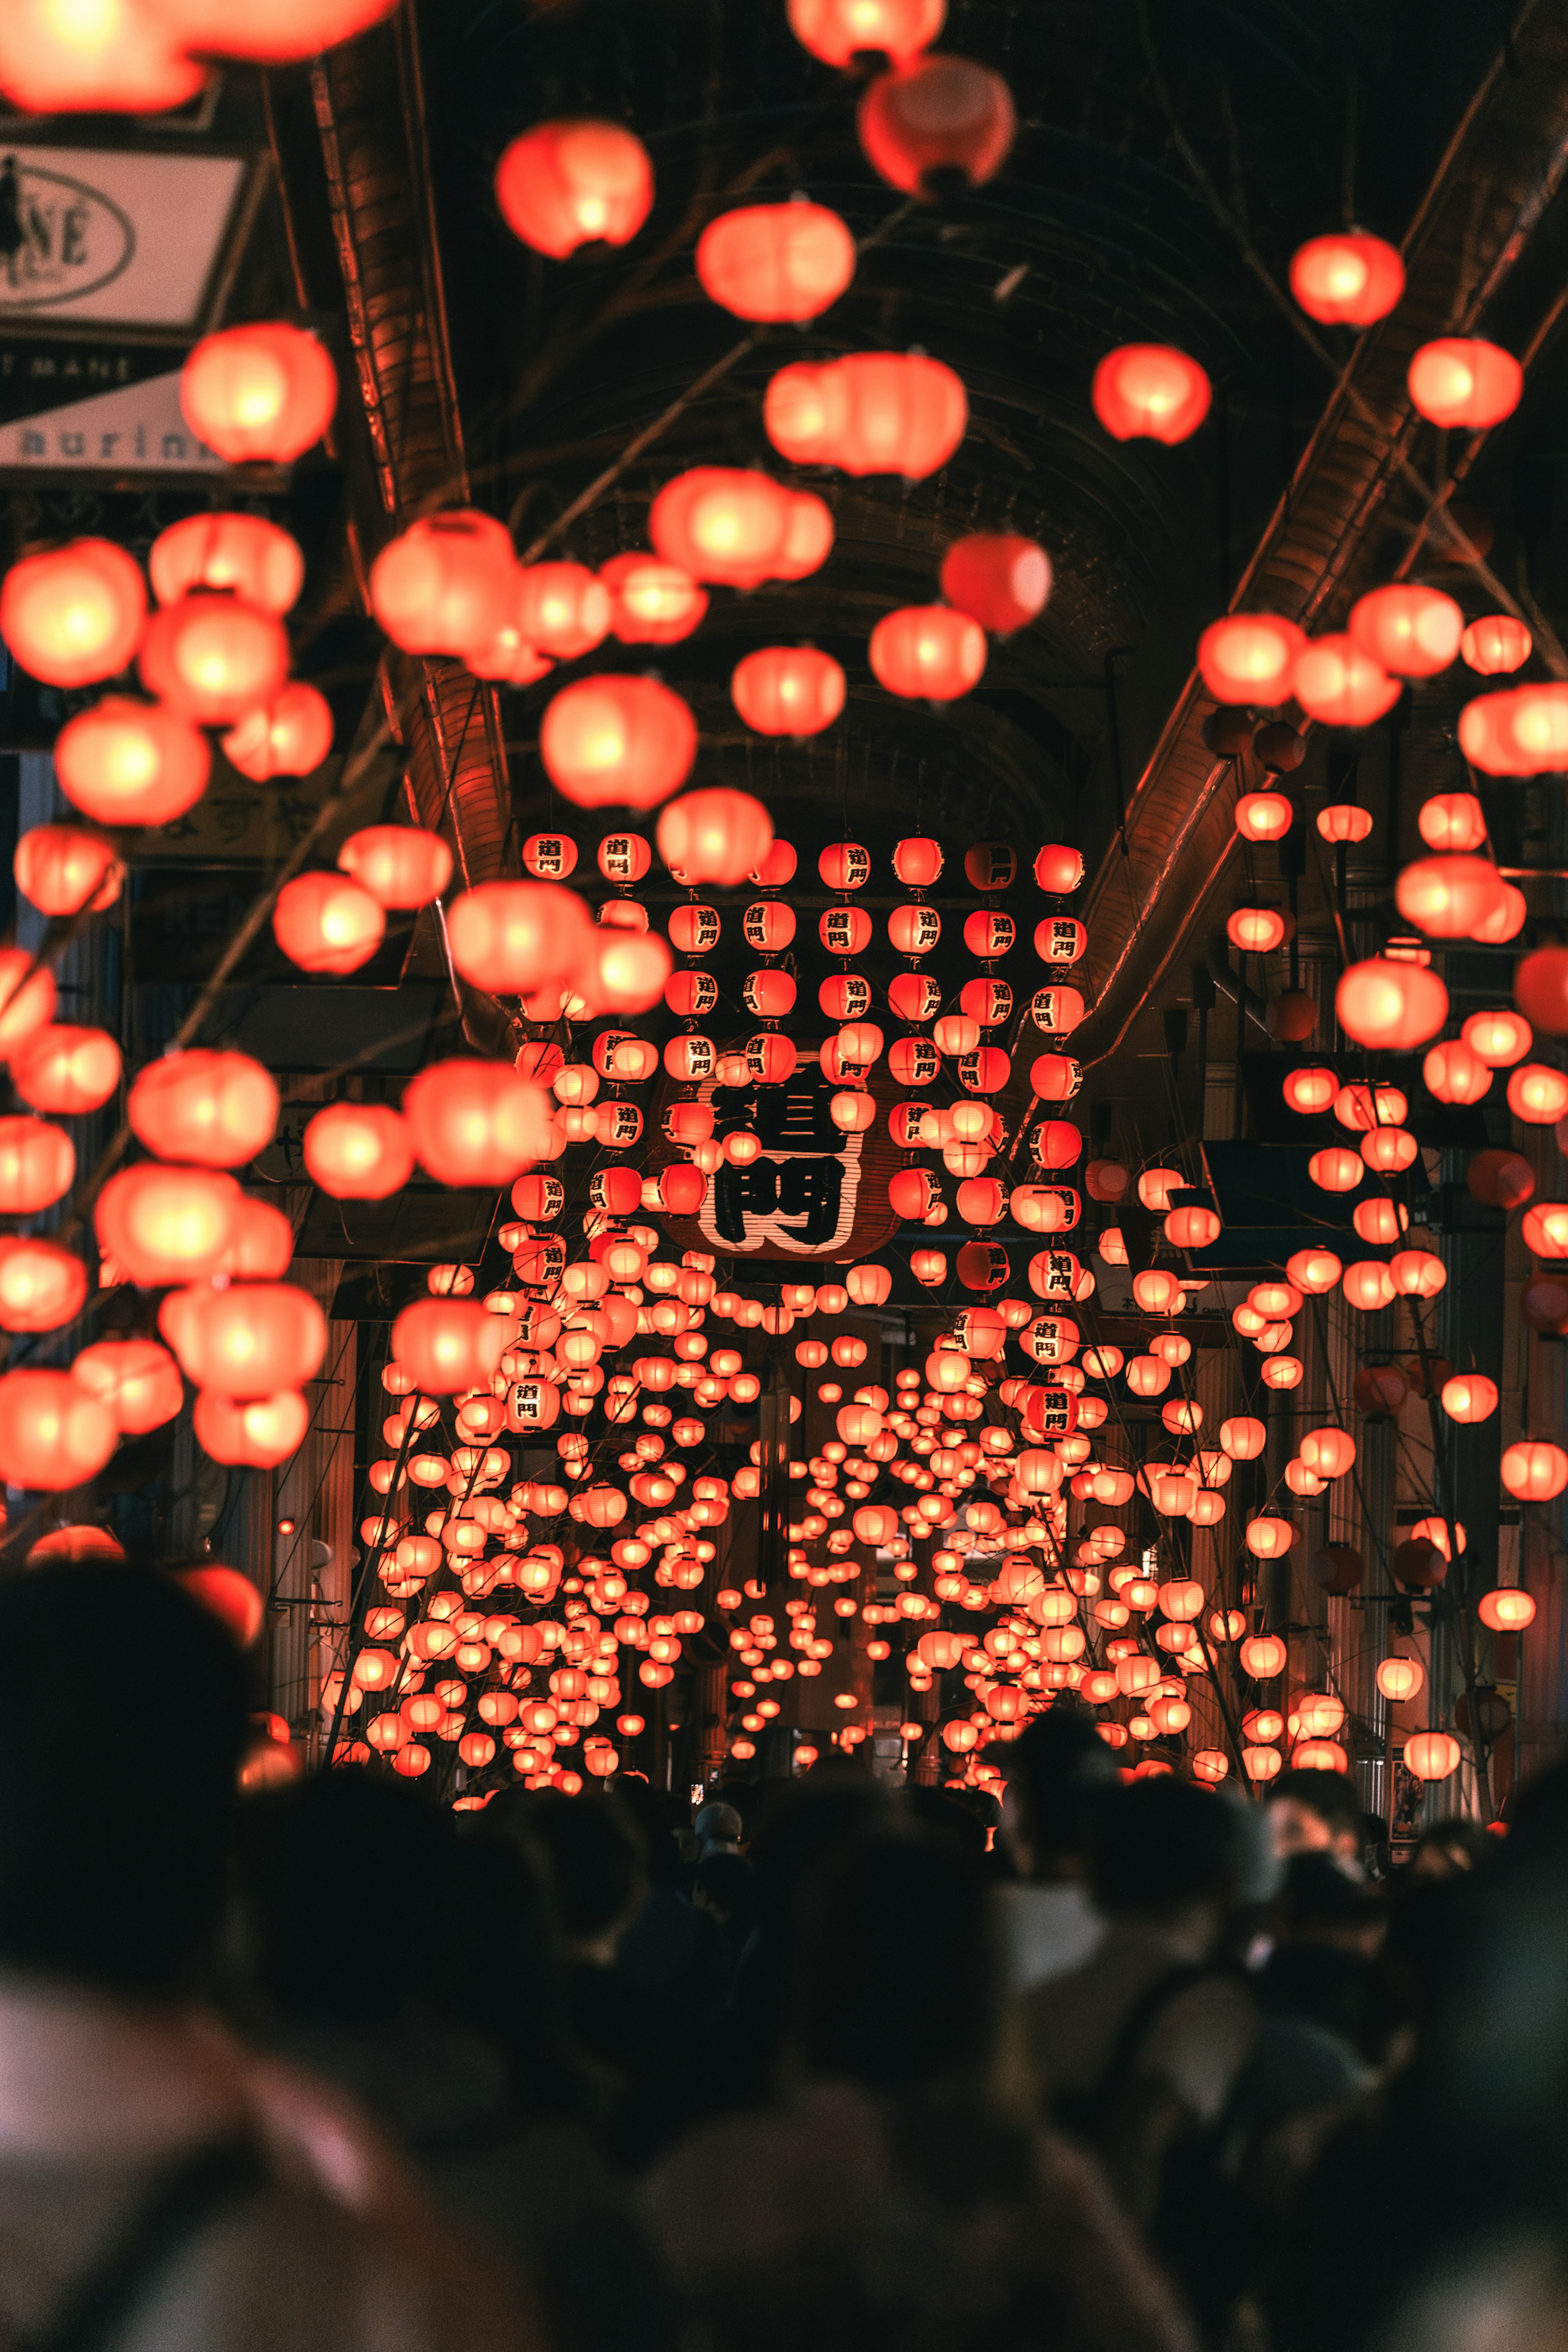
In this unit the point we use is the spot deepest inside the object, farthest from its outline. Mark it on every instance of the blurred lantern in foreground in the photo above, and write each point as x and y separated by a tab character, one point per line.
652	603
928	651
739	528
213	1110
1495	644
57	58
872	413
253	1339
1506	1610
1410	632
64	870
1452	821
838	31
513	938
26	999
446	585
1249	657
1149	392
137	1380
73	615
325	922
617	743
242	553
476	1122
939	114
358	1152
60	1069
714	836
1538	1094
128	763
1340	685
37	1166
448	1344
211	658
998	579
789	690
282	33
776	262
1392	1005
1464	381
265	392
52	1433
401	865
1349	280
258	1433
1447	898
289	735
1540	992
166	1224
562	185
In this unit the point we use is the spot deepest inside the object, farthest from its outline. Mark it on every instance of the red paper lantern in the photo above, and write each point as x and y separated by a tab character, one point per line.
1454	1074
1393	1005
37	1166
838	31
1506	920
652	602
1541	991
1340	685
137	1380
122	61
476	1122
928	651
52	1433
210	1109
1447	898
1255	930
241	554
776	262
1409	632
1452	821
73	615
26	999
166	1224
511	938
873	413
1151	391
1464	381
808	540
64	871
1506	1610
266	392
358	1152
609	742
1263	816
789	690
939	114
127	762
289	735
1343	821
1538	1095
1247	657
325	922
1532	1472
721	523
59	1068
1335	1170
401	865
1495	644
285	32
253	1339
446	585
212	659
567	184
561	609
713	837
258	1433
448	1344
1349	280
997	578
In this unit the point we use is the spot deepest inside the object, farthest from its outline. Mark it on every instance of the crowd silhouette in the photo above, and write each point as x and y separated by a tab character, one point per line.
1134	2067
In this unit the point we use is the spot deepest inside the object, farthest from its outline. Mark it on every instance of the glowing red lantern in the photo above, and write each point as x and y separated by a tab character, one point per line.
1255	930
776	262
714	836
873	413
476	1122
69	61
1464	381
265	392
1000	580
938	114
325	922
161	1224
37	1166
838	31
928	651
1349	280
400	864
617	743
253	1339
446	585
511	938
1447	898
561	609
289	735
1496	645
1340	685
1247	657
52	1433
1149	392
1343	821
1432	1755
1263	816
127	762
211	1109
562	185
42	1287
1538	1095
723	524
1408	631
1541	990
255	1432
243	554
58	1068
212	659
787	690
137	1380
73	615
358	1152
1534	1472
1392	1005
652	602
1454	1074
1309	1091
64	871
1452	821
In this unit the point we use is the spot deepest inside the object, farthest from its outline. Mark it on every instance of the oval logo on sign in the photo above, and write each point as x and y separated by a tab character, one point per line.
60	238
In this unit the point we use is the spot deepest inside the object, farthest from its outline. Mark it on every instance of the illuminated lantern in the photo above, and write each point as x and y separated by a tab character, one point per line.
1348	279
1545	1228
1192	1229
128	763
325	922
1328	1454
561	609
1461	380
1389	1149
1470	1397
1506	1610
289	735
837	31
52	1433
253	1339
652	603
59	60
265	392
1506	920
74	615
937	114
1343	821
868	1286
446	585
245	554
358	1152
775	262
1248	657
511	938
1496	645
1452	821
64	871
42	1287
137	1380
1394	1006
1157	1292
1340	685
1314	1271
1538	1095
1255	930
873	413
1262	1657
1149	392
1243	1438
1263	816
1309	1091
400	864
1454	1073
714	836
258	1432
212	659
37	1166
1540	992
1400	1679
1407	631
1447	898
928	651
476	1122
448	1344
212	1109
613	742
59	1068
1534	1472
723	524
1433	1755
787	690
998	579
1368	1285
562	185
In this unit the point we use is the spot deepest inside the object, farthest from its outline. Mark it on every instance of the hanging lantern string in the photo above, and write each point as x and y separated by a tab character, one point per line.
327	1380
368	1568
1435	502
589	499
